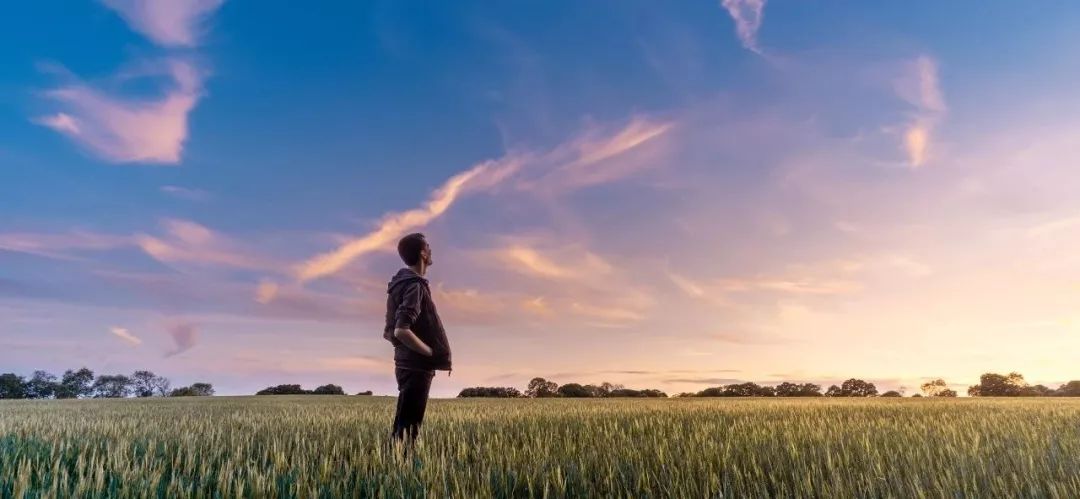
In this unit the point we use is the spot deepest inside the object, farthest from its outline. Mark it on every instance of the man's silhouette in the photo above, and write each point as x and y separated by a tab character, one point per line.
413	326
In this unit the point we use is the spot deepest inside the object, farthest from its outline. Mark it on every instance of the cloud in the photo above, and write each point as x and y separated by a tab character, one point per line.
266	291
396	225
747	15
183	242
704	381
569	263
919	86
171	23
570	164
184	336
124	129
185	193
125	335
189	242
60	245
610	315
592	157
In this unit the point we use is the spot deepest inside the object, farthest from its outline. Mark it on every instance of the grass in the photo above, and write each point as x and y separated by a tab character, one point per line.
336	446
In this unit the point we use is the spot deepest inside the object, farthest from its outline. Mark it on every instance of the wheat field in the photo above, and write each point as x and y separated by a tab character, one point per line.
313	446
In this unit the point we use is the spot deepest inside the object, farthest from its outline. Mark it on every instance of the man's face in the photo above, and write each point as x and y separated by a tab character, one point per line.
425	254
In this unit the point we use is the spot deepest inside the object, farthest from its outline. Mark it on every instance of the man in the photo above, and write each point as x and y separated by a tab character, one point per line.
413	326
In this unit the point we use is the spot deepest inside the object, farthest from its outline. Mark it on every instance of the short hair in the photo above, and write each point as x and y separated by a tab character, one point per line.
409	248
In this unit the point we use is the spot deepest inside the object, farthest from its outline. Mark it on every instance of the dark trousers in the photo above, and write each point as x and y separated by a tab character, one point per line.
413	388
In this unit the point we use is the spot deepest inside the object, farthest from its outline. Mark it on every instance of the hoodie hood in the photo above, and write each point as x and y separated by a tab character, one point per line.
404	276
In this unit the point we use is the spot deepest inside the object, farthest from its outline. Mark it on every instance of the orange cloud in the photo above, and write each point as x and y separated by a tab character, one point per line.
125	335
919	86
396	225
576	159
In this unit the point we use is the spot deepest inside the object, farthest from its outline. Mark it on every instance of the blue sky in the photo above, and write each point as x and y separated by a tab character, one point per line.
657	194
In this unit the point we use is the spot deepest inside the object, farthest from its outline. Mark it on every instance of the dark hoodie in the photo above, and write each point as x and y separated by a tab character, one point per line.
409	306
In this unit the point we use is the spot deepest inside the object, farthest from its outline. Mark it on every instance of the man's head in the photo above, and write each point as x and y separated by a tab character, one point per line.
414	249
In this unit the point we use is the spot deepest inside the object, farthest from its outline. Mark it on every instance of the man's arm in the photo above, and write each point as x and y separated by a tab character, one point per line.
407	312
409	339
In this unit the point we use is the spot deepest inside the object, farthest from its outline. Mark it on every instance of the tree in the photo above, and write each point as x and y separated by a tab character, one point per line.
12	386
41	386
858	388
947	393
573	390
195	390
112	386
892	393
75	384
596	391
283	390
852	388
540	387
328	390
607	388
490	391
627	392
1070	389
365	392
161	386
787	389
142	383
1038	391
748	389
934	388
998	385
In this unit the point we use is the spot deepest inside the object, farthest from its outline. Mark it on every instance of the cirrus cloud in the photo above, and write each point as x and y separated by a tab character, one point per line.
171	23
122	129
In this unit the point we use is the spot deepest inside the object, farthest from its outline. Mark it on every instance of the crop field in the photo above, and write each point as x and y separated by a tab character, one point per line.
337	446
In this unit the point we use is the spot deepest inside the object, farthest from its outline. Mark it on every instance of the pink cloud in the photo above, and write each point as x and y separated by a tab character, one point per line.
747	15
172	23
184	336
123	129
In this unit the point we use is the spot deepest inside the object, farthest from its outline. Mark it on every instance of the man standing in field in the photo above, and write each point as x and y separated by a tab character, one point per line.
413	326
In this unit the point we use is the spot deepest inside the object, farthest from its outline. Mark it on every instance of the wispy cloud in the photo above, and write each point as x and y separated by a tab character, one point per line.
266	291
560	264
919	86
610	316
183	242
597	156
185	193
125	335
171	23
189	242
61	245
395	225
123	129
184	336
747	15
567	165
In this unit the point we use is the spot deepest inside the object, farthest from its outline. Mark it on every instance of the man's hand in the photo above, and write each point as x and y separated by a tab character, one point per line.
409	339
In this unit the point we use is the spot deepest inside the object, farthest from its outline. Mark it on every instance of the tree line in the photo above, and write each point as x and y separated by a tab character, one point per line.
542	388
990	385
330	389
82	383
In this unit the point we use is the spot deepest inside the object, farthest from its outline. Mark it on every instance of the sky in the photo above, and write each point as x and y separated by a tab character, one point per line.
670	195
